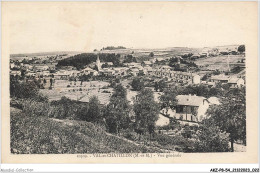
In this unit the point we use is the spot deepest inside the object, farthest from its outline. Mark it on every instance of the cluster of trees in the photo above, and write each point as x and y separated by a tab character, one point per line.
81	60
230	116
173	62
113	48
160	86
236	69
211	138
129	59
117	111
139	117
23	90
137	84
202	90
187	56
241	48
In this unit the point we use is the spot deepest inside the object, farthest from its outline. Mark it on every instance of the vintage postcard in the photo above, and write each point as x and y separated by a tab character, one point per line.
129	82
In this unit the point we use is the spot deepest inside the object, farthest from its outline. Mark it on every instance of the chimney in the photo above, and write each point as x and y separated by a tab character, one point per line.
189	97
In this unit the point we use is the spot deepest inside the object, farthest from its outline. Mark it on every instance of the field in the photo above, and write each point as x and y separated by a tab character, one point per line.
76	91
143	54
42	135
219	62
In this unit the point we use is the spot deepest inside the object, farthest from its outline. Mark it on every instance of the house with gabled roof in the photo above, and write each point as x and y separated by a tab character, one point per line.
235	82
219	78
190	108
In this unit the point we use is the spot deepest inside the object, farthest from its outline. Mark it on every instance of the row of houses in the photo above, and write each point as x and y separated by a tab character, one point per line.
232	81
165	71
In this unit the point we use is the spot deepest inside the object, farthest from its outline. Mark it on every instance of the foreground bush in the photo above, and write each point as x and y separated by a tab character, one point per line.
211	139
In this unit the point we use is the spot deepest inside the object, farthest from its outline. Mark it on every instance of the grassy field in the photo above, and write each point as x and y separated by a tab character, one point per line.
75	91
42	135
218	62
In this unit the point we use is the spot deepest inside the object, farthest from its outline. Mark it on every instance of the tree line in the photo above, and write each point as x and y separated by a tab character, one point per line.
81	60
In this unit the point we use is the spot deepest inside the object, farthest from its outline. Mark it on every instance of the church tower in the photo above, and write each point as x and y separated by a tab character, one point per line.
98	64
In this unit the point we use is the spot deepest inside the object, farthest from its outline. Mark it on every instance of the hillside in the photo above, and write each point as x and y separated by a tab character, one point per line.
43	54
42	135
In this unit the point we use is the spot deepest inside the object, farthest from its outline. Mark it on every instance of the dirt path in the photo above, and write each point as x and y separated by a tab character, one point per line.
238	147
69	122
136	143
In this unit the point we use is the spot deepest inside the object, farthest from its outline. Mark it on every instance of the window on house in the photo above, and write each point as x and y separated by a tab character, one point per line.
188	110
179	109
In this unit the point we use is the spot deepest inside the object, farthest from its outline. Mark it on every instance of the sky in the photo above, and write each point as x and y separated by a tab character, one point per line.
63	26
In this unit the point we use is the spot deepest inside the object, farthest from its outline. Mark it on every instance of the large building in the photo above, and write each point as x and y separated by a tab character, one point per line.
176	76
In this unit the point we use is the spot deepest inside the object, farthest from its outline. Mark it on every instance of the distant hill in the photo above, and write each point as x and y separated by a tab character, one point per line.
23	55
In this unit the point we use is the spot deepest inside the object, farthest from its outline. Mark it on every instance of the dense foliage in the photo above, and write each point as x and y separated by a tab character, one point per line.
137	84
241	48
201	90
113	48
160	86
81	60
146	111
117	111
129	59
230	116
210	138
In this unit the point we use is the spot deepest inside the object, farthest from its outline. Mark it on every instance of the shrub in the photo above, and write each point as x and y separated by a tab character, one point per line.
211	139
131	135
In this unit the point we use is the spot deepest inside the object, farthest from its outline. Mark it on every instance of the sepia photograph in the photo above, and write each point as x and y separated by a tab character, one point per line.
129	81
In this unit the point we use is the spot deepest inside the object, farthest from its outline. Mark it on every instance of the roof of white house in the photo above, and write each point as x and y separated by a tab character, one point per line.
15	72
184	73
135	70
147	62
148	68
234	80
110	63
160	59
190	100
195	54
220	77
107	70
62	72
211	83
120	68
222	49
132	64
